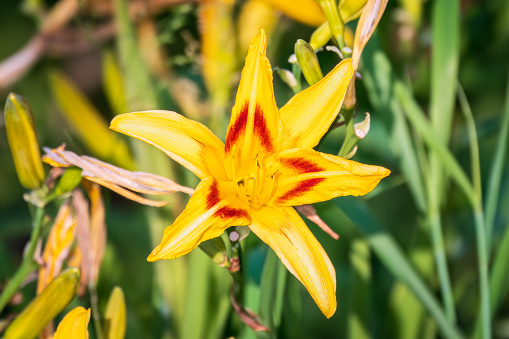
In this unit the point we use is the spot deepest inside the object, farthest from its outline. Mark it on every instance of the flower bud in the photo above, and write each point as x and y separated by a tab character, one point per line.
69	180
46	306
308	62
330	9
22	137
115	315
320	36
351	9
362	128
287	77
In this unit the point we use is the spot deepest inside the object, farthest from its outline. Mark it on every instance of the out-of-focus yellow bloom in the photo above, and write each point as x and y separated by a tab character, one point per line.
255	14
87	122
22	137
115	178
46	306
308	62
115	315
266	166
305	11
218	52
57	246
74	325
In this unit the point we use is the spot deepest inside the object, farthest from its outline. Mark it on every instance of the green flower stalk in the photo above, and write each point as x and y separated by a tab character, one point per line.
308	62
20	127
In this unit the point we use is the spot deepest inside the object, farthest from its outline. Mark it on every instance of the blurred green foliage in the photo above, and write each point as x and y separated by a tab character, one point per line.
368	291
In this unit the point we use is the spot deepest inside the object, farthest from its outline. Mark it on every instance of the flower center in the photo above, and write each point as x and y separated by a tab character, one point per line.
257	188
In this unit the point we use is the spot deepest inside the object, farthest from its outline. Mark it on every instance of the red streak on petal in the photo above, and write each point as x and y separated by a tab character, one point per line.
301	165
237	128
213	196
228	212
303	187
260	128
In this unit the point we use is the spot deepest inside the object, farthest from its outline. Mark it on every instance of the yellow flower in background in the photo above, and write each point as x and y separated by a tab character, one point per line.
266	166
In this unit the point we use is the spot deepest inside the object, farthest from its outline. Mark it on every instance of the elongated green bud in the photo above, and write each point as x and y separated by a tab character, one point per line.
69	180
115	315
330	9
20	127
308	62
46	306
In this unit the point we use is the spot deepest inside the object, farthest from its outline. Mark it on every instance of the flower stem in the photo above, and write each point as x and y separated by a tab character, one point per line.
96	316
28	265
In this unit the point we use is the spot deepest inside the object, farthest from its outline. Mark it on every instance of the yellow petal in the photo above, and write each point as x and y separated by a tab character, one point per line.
309	114
74	325
305	11
284	231
186	141
307	177
208	213
253	15
255	125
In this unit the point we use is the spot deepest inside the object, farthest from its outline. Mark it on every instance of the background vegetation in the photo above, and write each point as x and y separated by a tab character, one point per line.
430	69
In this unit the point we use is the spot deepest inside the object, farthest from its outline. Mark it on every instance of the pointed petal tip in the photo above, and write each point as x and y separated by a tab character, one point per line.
155	255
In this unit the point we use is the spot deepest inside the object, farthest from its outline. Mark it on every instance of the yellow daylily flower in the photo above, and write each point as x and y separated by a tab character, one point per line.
266	166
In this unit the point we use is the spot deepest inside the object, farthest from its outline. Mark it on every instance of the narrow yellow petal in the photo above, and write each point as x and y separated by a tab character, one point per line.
284	231
255	125
208	213
309	114
186	141
307	177
305	11
74	325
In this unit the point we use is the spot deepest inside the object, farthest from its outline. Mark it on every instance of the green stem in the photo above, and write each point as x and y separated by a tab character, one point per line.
482	253
96	316
28	265
441	262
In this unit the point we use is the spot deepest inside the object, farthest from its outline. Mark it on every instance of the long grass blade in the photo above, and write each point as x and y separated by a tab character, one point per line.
391	255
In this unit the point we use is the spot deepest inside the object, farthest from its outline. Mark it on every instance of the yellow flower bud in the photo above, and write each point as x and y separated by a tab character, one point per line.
351	9
115	315
20	127
46	306
308	62
330	8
